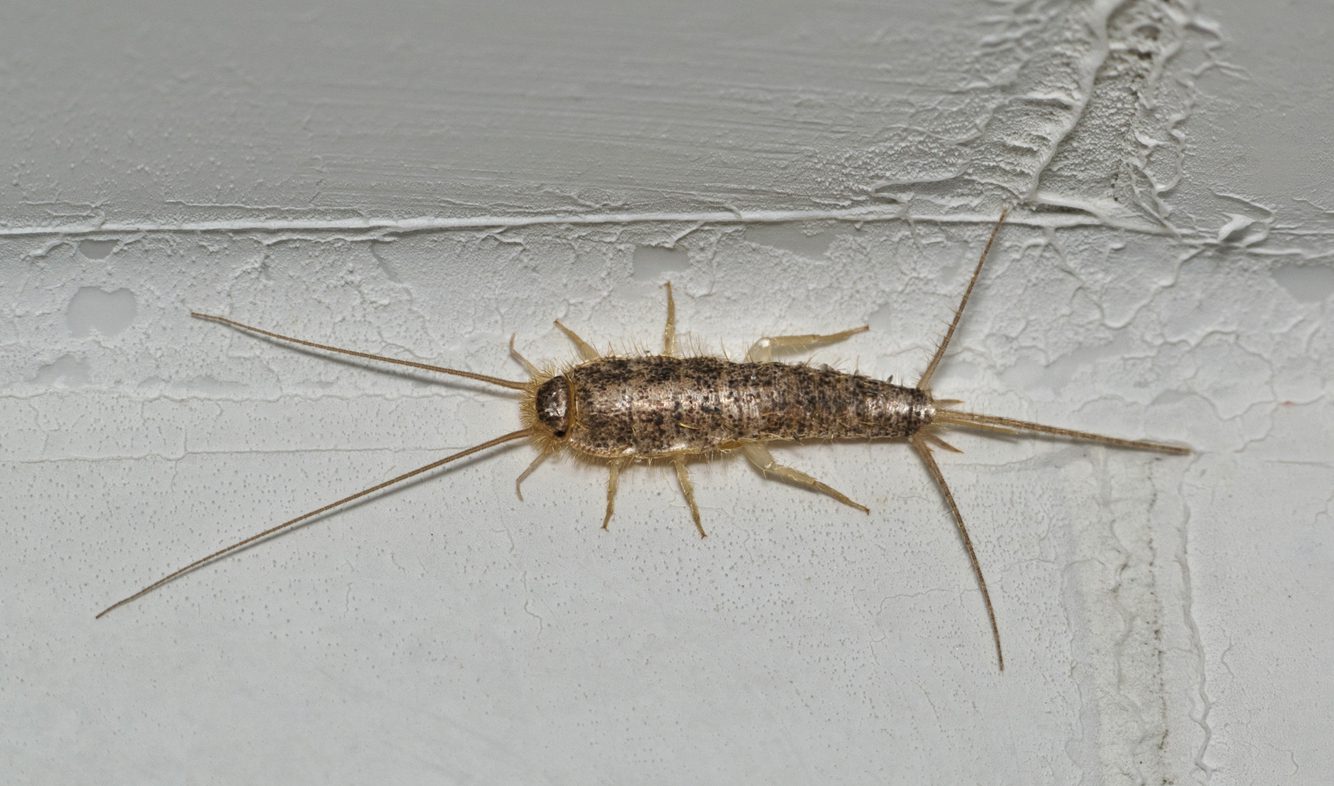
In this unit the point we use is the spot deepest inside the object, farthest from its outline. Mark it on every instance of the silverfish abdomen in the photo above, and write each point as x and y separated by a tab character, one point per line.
655	406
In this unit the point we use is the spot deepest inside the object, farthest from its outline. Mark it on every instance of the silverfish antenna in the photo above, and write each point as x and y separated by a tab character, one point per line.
274	530
504	383
241	544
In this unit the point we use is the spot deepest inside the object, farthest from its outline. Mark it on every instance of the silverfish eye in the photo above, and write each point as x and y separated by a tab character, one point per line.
553	405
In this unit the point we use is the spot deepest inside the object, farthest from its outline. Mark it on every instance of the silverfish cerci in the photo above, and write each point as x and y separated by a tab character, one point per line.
623	409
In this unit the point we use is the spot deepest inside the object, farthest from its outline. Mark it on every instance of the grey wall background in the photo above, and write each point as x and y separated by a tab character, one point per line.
425	179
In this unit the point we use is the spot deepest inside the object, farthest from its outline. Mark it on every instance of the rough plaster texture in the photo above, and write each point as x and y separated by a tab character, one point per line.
425	180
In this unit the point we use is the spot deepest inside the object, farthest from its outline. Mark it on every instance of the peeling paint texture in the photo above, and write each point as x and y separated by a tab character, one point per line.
424	180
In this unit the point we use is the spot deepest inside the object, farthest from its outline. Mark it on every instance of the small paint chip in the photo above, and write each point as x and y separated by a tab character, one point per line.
1311	283
1242	231
791	237
652	262
97	309
64	371
97	249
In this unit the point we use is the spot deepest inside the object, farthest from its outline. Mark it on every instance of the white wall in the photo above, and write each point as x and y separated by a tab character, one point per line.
425	179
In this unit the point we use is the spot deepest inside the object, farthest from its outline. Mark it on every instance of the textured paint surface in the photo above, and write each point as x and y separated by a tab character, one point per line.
424	180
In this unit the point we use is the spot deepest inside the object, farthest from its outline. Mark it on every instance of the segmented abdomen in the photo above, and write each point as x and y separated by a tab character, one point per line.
654	406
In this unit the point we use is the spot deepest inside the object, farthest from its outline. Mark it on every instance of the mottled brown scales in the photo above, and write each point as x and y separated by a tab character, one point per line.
624	409
658	406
